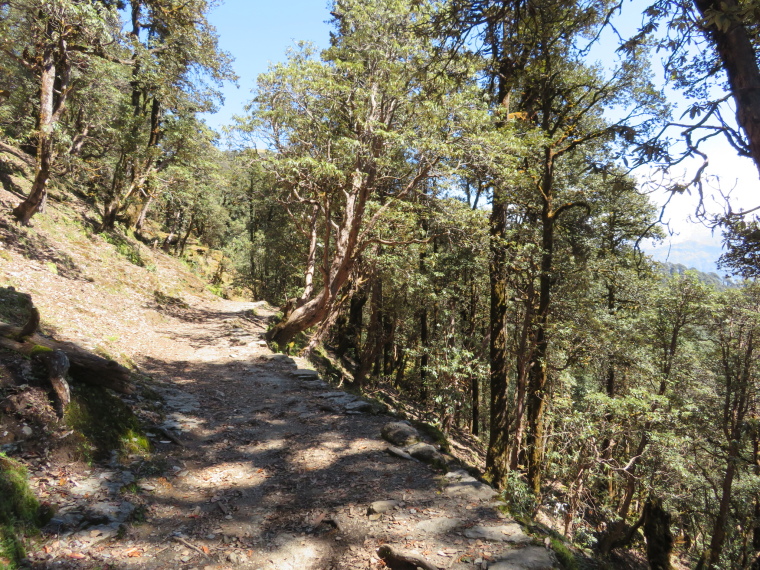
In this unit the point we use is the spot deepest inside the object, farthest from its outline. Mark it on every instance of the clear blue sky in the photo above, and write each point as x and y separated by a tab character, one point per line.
257	33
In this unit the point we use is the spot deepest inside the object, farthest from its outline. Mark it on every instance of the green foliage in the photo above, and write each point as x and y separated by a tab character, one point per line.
518	497
565	556
20	512
105	424
125	247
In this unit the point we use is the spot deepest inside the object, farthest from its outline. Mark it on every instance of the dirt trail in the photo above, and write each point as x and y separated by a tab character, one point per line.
259	468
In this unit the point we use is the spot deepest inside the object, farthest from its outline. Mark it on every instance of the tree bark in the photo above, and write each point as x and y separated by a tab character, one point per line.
35	201
657	533
57	364
739	60
498	444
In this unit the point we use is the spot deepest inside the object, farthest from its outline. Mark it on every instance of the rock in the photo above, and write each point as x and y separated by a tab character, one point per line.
528	558
440	525
305	374
399	433
65	521
464	485
279	359
399	452
511	532
427	454
359	406
27	431
104	513
96	534
379	507
89	486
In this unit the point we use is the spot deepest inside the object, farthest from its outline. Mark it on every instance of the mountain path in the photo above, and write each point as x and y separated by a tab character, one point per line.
260	466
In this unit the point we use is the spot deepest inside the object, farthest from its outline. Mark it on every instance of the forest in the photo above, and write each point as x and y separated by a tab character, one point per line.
448	202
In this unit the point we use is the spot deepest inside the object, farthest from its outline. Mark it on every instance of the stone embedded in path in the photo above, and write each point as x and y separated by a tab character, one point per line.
105	512
427	454
462	484
359	406
528	558
379	507
279	359
439	525
399	433
510	532
306	374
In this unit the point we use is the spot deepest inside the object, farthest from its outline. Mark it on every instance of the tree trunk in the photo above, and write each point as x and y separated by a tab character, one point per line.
311	261
739	60
316	309
711	556
37	196
475	394
498	444
657	533
140	222
537	368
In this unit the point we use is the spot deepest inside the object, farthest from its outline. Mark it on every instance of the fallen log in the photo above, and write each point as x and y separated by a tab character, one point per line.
400	560
84	366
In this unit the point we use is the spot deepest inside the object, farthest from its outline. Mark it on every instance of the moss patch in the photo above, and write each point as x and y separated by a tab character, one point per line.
105	423
20	512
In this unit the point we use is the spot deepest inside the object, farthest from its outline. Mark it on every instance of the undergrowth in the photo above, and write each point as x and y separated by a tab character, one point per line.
125	248
20	512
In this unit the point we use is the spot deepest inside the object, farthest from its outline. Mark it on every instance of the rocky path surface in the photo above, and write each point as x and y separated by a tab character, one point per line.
261	464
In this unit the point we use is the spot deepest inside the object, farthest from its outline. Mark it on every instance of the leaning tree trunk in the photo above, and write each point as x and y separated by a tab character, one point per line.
315	310
35	202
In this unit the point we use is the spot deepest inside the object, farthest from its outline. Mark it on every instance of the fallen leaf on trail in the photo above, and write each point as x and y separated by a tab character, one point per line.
77	555
205	549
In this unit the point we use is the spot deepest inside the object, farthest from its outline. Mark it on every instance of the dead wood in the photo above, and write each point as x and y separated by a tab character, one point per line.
400	560
84	366
57	365
171	437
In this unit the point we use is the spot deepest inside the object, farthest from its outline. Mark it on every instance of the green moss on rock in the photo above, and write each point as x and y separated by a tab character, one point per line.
20	512
105	424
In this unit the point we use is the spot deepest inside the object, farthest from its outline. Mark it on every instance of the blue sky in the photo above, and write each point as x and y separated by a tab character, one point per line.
258	32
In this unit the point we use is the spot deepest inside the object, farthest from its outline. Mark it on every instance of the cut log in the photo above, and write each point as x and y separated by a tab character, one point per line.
399	560
57	365
84	366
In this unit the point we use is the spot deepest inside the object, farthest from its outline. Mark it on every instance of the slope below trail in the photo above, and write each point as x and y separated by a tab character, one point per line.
259	467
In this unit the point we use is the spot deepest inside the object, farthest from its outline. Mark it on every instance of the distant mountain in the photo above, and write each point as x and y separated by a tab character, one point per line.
718	282
700	254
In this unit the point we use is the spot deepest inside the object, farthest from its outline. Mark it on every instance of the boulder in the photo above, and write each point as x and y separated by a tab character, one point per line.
427	454
400	433
379	507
